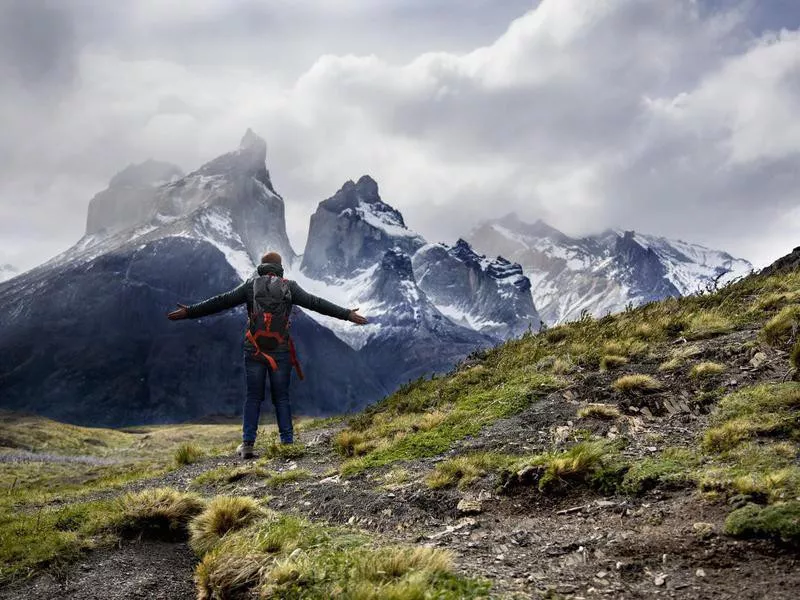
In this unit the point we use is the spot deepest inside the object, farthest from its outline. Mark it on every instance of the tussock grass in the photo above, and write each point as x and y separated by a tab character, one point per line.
783	325
464	470
781	521
347	440
794	355
187	454
672	468
612	361
161	513
707	324
636	383
777	300
595	462
287	477
672	364
221	515
598	411
764	410
706	369
562	365
290	558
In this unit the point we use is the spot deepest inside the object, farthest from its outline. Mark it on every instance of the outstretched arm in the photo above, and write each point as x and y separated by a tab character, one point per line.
235	297
302	298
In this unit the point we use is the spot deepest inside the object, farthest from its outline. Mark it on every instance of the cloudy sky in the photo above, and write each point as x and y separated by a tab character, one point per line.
674	117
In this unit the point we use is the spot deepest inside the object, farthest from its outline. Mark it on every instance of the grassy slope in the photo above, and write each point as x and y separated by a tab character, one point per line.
749	446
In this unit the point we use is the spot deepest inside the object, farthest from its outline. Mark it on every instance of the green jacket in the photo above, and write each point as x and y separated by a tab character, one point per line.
243	294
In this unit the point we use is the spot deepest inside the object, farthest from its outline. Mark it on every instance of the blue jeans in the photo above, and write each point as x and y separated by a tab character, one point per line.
256	373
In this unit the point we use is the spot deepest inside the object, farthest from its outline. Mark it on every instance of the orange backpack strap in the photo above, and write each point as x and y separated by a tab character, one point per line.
293	359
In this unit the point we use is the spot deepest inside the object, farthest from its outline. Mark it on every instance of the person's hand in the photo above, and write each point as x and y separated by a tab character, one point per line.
182	312
357	318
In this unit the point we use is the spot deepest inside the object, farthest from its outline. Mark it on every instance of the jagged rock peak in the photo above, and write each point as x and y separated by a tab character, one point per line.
249	160
148	173
252	142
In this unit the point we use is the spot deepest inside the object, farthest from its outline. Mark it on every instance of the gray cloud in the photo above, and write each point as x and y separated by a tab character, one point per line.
675	118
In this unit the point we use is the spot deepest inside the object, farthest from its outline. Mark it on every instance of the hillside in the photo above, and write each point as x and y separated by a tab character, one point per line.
650	453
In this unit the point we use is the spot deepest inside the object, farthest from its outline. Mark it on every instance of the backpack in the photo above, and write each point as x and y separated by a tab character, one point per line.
268	326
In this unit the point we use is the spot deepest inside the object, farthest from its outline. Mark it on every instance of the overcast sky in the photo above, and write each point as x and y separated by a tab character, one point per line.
673	117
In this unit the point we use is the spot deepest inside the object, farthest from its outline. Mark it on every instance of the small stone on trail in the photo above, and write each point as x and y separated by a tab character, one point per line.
700	573
468	507
601	574
660	580
351	520
758	359
702	529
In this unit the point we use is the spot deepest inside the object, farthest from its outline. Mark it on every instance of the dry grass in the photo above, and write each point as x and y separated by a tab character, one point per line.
707	324
672	364
463	470
187	454
162	513
706	369
598	411
612	361
783	325
636	383
287	477
223	514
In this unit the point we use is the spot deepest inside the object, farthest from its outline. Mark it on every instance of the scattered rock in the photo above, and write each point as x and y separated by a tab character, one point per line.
660	579
469	507
700	573
703	530
759	358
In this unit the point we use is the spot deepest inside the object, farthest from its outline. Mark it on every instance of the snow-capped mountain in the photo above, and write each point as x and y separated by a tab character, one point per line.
7	271
156	237
84	338
605	272
354	233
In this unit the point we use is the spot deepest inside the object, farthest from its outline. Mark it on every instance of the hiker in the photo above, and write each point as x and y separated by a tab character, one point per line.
268	349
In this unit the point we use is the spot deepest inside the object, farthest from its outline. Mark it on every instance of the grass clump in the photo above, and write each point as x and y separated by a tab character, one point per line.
223	514
612	361
463	470
794	356
765	410
161	513
636	383
706	369
777	300
592	462
275	449
672	468
781	521
187	454
783	325
287	477
706	325
672	364
290	558
598	411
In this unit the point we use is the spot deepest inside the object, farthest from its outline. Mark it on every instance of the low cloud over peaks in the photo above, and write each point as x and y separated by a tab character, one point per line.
675	118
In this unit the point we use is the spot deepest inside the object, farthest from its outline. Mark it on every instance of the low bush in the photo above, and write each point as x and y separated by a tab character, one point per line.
780	521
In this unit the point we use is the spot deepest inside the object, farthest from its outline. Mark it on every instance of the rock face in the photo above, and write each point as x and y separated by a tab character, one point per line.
84	338
602	273
351	230
492	296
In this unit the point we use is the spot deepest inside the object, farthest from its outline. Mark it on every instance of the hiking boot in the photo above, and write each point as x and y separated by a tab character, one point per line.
245	450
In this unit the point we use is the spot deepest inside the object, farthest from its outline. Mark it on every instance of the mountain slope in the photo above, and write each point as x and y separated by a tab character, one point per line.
605	272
